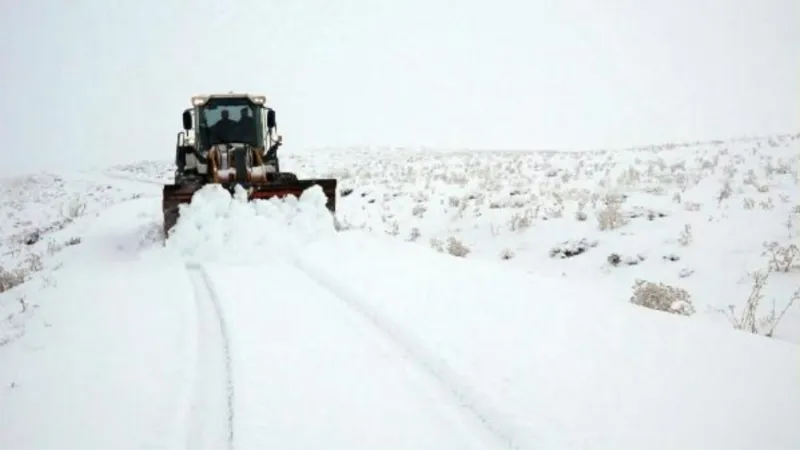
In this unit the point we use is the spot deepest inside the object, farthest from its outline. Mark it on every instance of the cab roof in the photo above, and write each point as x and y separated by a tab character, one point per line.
199	100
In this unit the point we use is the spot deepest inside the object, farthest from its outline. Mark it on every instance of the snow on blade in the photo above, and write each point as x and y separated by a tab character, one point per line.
219	227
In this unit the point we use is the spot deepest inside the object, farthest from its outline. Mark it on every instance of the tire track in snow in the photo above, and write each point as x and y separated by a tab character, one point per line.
437	368
211	416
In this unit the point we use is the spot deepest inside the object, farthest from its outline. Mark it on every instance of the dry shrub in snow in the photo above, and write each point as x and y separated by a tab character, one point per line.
686	235
75	209
521	221
662	298
568	249
692	206
34	263
615	259
610	217
394	228
341	224
9	279
725	192
747	319
12	278
12	326
781	258
456	247
643	212
54	247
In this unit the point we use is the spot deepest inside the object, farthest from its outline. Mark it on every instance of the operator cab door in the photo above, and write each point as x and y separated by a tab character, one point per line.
185	159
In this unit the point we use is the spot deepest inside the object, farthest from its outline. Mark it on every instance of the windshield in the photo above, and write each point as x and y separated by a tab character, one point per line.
230	120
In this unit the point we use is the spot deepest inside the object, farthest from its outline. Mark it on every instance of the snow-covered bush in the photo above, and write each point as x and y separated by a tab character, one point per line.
662	297
686	235
610	216
12	278
615	259
456	247
568	249
74	209
781	258
9	279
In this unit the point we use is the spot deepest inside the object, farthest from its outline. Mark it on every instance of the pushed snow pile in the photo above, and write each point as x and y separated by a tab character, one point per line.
219	227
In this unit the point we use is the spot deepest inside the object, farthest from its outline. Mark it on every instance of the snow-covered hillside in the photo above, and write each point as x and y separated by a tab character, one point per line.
705	217
458	299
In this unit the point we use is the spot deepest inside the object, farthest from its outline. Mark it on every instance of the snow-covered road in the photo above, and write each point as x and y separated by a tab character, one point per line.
308	371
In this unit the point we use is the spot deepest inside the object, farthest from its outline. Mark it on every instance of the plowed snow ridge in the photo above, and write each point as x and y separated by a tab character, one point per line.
218	228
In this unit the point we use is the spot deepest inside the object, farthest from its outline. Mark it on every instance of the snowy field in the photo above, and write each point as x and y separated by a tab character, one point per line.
457	300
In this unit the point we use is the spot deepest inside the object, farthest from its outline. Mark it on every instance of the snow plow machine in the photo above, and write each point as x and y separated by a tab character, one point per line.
231	139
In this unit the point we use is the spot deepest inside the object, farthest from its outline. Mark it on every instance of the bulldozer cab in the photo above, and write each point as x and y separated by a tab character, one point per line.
229	119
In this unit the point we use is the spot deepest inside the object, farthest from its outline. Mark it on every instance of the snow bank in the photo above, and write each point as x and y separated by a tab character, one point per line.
223	228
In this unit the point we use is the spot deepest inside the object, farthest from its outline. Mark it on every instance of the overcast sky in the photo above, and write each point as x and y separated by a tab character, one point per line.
88	82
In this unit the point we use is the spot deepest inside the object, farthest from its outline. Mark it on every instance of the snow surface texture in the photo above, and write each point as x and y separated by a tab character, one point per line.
271	325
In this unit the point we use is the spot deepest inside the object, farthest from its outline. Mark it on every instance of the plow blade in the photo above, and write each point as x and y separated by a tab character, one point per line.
175	195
